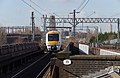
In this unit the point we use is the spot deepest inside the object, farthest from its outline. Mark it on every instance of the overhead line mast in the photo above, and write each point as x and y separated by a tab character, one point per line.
74	21
33	27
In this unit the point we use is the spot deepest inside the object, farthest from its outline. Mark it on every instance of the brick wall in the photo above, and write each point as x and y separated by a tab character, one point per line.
85	64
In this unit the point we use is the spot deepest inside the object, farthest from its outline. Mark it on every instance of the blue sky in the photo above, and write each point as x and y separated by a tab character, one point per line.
16	12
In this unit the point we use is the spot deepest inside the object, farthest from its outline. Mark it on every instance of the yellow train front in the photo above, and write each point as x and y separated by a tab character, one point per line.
53	41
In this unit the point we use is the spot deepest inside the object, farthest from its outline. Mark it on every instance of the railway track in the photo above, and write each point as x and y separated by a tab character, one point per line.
34	70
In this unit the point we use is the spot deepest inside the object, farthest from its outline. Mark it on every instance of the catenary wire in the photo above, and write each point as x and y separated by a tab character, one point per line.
32	7
81	5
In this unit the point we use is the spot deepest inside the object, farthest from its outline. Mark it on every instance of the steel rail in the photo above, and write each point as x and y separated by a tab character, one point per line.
14	76
42	70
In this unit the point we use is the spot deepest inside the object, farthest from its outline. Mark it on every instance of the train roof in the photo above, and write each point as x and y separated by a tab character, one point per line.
53	32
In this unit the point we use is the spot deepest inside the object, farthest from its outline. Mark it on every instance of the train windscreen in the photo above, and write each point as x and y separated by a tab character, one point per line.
53	37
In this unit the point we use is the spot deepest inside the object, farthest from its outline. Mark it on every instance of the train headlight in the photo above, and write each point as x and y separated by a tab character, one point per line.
58	45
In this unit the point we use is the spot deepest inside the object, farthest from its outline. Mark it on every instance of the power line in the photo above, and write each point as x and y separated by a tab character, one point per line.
56	15
43	9
39	7
84	6
91	14
39	21
32	7
81	4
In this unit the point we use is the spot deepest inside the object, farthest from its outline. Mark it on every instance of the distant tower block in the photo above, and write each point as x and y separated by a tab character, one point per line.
110	27
52	23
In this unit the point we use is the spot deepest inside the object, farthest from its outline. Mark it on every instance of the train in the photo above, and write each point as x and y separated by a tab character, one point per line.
53	41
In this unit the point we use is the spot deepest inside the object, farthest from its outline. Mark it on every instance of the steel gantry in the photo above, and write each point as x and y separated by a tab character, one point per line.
84	20
76	21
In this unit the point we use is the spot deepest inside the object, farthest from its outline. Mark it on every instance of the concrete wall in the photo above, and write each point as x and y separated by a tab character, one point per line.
107	52
84	48
98	51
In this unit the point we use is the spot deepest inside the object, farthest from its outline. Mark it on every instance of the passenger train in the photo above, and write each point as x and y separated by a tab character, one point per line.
53	41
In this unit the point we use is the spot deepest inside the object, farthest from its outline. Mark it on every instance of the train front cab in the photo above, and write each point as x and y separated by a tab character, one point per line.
53	41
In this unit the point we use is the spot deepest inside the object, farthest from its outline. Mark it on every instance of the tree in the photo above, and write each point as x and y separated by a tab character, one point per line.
106	36
92	39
